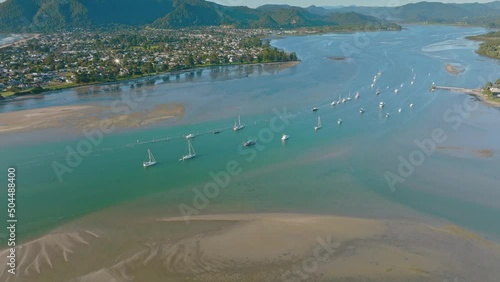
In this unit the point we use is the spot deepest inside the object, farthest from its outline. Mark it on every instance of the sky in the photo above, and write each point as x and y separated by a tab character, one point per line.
306	3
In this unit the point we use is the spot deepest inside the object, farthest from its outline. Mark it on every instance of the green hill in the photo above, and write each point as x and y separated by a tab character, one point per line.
435	12
55	15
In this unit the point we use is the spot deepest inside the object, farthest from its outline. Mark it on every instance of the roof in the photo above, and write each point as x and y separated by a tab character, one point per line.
495	89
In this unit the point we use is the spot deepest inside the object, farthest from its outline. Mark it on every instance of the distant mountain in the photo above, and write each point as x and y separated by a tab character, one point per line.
53	15
434	12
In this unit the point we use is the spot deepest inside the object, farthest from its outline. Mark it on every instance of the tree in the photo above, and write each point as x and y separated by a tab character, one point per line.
189	61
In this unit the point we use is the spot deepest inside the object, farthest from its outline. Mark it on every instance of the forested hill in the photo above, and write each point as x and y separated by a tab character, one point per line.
55	15
487	14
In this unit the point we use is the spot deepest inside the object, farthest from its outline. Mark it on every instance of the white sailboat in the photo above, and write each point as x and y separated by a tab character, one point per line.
151	160
318	126
237	125
191	153
378	91
349	97
361	110
357	95
381	105
284	137
191	135
249	143
339	121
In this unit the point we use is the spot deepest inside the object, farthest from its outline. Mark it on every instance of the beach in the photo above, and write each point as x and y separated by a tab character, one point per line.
81	117
255	247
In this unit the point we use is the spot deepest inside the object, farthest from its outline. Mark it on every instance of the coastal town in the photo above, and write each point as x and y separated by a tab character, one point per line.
67	59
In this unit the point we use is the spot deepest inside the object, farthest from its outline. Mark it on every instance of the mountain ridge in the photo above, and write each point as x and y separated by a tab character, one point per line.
487	14
57	15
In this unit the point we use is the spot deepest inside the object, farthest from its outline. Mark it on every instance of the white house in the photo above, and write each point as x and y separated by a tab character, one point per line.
495	91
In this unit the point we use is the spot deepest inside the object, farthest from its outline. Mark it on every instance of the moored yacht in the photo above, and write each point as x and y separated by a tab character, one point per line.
191	153
237	125
318	126
151	160
249	143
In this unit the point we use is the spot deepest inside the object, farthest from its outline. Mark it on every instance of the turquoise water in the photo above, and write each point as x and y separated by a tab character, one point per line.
337	170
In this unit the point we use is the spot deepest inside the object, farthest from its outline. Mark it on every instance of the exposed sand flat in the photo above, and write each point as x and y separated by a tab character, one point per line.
258	247
483	153
82	117
454	69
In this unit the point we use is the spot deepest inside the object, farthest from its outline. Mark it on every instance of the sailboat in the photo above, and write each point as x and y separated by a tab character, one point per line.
349	97
378	91
249	143
284	137
318	126
151	160
237	125
339	121
381	105
361	110
191	153
357	95
191	135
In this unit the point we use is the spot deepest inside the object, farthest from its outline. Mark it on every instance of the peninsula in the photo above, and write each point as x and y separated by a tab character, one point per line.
61	60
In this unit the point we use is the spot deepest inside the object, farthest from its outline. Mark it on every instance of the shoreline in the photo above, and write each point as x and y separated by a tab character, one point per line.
478	93
28	92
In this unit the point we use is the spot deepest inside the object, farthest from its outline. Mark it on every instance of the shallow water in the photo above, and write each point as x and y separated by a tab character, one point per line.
337	170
